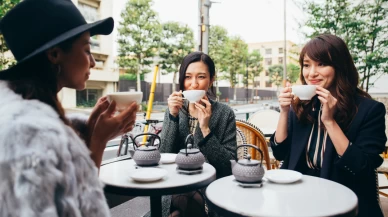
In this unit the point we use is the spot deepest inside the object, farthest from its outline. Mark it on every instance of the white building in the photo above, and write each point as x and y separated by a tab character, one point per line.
104	77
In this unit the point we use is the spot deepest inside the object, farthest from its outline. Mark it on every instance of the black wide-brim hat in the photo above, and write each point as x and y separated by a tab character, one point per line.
33	26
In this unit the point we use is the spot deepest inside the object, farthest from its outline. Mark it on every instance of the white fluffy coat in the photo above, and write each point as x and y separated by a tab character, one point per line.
45	168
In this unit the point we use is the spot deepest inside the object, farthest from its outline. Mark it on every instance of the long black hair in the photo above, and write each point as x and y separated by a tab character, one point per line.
192	58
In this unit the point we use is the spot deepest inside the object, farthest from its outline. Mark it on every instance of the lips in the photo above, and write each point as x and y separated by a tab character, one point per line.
314	81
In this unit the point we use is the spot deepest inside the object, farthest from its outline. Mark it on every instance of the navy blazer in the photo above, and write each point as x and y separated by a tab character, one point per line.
356	169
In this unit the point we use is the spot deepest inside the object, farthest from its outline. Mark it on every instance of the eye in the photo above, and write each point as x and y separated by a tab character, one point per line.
321	64
202	77
305	65
187	77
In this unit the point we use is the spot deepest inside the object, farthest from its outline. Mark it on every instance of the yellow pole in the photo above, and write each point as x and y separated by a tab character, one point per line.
151	100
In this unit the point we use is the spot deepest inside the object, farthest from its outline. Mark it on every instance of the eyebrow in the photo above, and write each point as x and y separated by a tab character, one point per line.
198	72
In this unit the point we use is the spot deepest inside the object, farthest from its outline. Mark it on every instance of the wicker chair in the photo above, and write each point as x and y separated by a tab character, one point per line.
384	170
253	136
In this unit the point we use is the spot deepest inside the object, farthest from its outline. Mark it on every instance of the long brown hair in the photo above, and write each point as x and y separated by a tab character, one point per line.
332	50
37	79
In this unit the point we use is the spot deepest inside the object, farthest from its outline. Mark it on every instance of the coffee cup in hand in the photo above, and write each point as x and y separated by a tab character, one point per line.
304	92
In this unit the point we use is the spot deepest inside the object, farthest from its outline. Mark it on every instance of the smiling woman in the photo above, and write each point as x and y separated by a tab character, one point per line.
338	134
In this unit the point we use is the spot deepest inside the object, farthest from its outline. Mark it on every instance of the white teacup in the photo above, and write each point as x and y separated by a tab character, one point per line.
304	92
124	99
193	95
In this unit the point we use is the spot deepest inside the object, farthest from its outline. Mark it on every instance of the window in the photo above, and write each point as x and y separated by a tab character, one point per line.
268	61
280	50
266	72
88	97
100	59
268	51
268	84
89	12
280	60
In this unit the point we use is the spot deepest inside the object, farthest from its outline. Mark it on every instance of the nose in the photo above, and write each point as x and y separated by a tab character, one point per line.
92	61
194	83
313	71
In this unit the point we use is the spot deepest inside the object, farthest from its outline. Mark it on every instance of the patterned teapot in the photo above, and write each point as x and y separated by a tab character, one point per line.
189	158
247	170
147	154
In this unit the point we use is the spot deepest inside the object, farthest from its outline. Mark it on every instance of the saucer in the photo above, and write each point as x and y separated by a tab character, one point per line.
283	176
167	158
249	185
189	172
148	174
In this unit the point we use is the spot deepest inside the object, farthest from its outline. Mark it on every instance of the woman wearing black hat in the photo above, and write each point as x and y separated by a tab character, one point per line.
45	167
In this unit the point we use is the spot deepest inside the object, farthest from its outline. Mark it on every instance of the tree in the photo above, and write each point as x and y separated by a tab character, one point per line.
238	51
177	42
139	36
275	73
363	26
6	58
255	67
293	72
218	51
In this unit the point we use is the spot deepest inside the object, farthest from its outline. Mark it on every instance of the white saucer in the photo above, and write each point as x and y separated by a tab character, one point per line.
283	176
249	185
167	158
189	172
148	174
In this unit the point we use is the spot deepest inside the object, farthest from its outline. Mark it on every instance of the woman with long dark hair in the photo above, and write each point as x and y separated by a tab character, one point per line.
48	165
212	124
340	133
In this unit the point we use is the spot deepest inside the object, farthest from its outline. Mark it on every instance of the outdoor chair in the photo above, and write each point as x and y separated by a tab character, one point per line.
253	136
383	168
265	119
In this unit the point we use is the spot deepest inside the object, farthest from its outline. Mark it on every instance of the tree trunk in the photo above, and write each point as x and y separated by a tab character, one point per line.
235	94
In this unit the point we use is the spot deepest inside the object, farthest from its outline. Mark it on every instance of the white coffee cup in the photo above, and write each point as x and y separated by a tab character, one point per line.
193	95
124	99
304	92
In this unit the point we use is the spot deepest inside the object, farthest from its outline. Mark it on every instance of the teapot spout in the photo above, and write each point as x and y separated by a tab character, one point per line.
232	162
131	152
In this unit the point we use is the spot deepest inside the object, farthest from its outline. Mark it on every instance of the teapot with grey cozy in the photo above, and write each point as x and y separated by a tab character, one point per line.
189	158
247	170
146	154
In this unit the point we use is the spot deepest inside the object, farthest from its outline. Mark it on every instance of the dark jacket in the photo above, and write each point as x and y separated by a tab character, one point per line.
356	169
219	147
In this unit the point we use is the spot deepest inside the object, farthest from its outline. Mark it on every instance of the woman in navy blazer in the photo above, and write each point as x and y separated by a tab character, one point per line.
340	133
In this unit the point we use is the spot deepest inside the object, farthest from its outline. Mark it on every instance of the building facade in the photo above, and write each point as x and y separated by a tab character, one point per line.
104	76
273	54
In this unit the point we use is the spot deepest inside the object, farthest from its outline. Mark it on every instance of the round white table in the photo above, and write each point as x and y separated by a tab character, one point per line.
116	177
310	196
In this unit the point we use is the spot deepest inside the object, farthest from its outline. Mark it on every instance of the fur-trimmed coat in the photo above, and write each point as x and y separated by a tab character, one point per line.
45	168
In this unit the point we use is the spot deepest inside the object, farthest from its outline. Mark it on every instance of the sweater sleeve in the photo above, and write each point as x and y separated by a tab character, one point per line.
367	146
219	151
170	133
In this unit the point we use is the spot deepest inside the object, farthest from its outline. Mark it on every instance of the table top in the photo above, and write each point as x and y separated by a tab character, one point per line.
116	177
311	196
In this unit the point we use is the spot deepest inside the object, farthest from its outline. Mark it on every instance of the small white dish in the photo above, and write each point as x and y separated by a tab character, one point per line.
193	95
283	176
167	158
148	174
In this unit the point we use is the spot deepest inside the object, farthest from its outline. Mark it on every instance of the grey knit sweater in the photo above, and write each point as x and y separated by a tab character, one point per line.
219	147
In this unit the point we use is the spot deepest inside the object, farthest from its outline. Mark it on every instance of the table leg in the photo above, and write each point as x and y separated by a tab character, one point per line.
156	206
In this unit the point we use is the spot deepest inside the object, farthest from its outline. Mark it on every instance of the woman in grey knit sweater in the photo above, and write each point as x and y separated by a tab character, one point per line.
212	124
